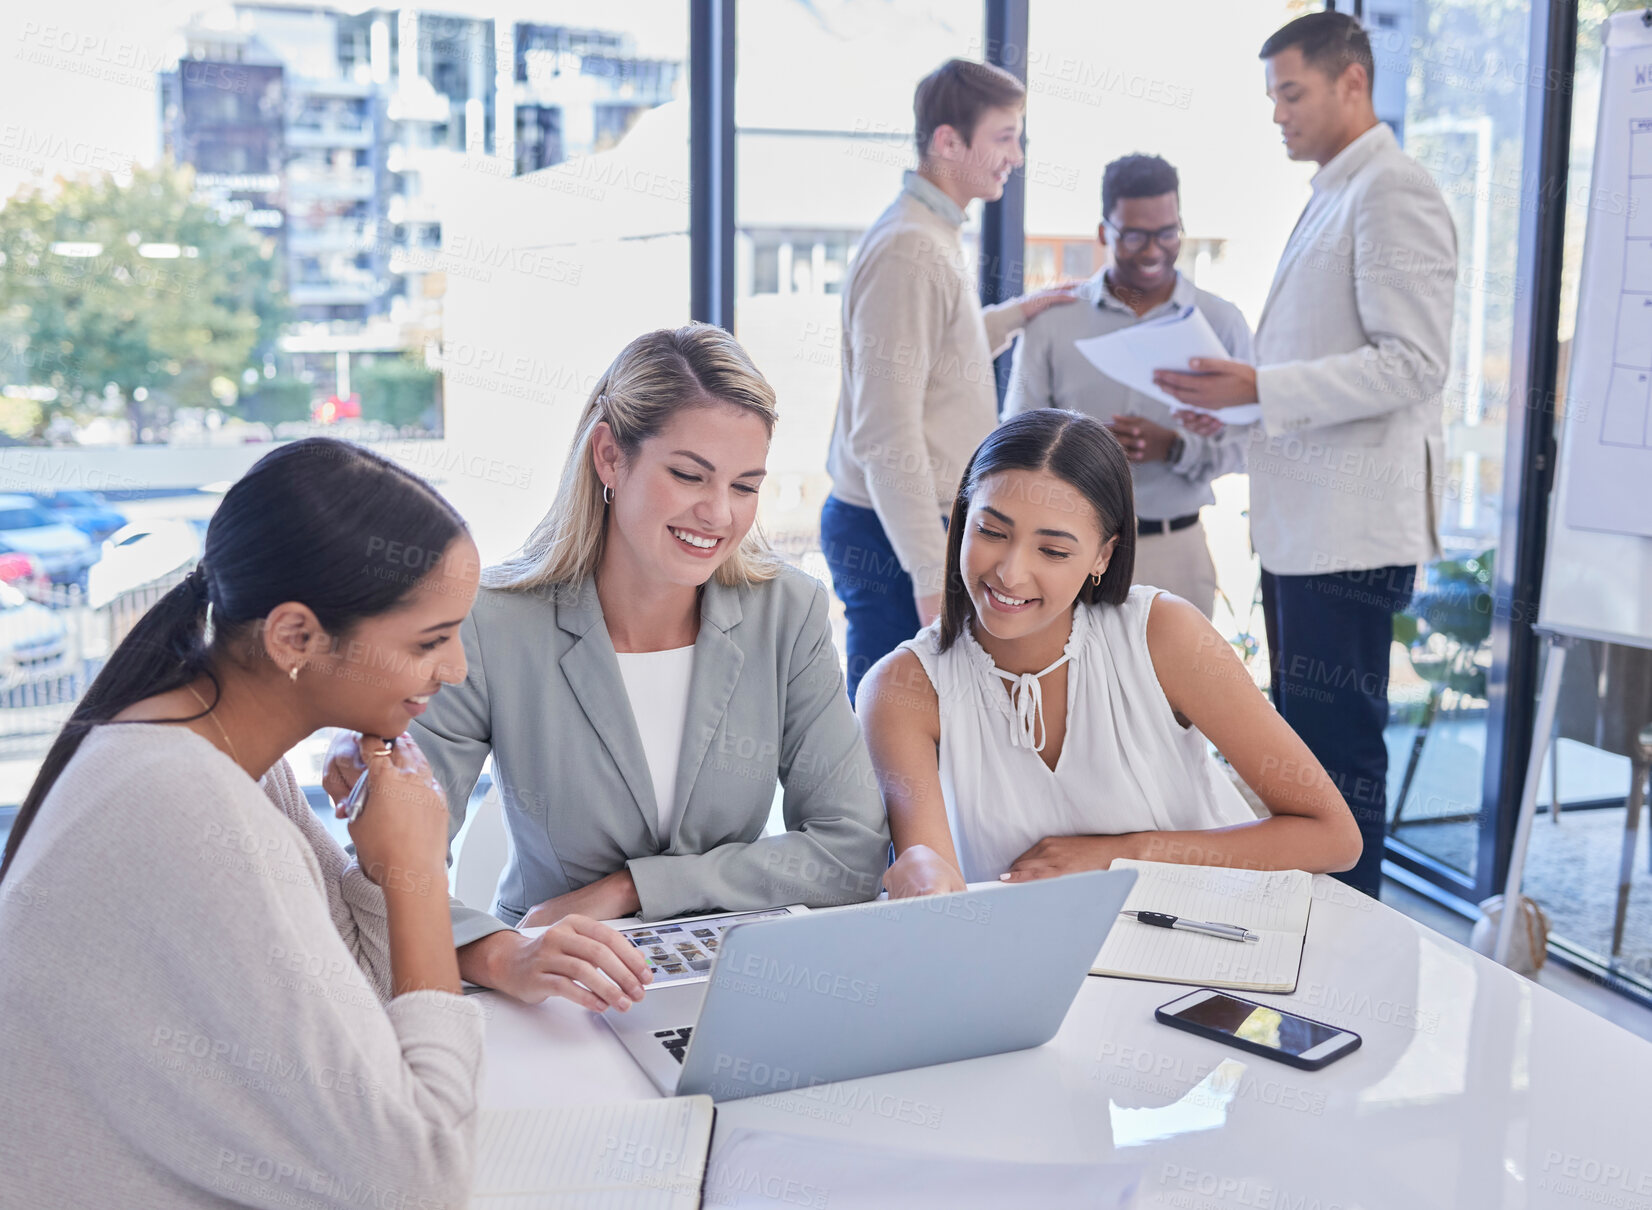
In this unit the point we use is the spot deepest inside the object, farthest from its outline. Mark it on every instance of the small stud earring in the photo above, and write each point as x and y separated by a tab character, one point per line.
293	674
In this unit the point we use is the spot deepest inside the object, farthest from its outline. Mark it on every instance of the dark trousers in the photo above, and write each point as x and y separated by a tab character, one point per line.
1328	644
868	579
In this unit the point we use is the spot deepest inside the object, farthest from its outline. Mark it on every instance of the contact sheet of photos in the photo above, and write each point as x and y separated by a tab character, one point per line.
679	952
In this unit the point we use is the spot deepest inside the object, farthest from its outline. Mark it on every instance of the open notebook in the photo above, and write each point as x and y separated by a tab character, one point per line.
642	1155
1272	903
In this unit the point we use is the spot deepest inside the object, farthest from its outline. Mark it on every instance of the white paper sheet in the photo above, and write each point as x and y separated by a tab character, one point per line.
761	1168
1274	904
1131	354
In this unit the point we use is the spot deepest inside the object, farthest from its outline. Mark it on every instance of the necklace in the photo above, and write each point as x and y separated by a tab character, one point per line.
210	713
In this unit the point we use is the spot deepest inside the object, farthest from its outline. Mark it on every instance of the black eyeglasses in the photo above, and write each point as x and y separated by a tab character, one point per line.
1134	239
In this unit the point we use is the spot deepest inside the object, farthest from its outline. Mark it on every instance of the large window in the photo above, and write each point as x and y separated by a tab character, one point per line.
547	274
1463	118
1104	82
1573	866
426	232
823	105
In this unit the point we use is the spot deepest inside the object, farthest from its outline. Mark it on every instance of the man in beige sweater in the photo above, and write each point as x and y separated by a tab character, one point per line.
918	391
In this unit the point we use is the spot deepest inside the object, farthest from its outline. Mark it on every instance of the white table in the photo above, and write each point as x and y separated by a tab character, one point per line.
1474	1087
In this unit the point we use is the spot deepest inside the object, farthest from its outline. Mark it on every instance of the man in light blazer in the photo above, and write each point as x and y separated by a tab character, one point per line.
1353	347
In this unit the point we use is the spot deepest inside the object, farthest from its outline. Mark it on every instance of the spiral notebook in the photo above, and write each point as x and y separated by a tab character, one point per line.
641	1155
1271	903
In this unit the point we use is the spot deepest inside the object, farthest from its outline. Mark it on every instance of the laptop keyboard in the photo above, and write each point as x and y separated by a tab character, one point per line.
675	1041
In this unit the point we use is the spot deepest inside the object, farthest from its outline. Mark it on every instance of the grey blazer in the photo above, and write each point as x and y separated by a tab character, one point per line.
766	700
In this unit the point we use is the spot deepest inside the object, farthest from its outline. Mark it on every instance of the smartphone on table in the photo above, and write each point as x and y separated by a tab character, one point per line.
1261	1029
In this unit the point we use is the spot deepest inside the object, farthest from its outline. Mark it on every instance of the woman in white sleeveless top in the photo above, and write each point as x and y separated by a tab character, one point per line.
1054	718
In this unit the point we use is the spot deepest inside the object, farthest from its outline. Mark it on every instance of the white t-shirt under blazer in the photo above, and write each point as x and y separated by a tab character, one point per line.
1126	765
657	684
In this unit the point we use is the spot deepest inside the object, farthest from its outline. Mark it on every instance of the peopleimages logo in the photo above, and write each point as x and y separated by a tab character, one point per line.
727	1186
779	973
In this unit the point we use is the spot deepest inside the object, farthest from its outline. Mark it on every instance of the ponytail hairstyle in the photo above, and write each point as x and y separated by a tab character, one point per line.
656	376
319	522
1080	452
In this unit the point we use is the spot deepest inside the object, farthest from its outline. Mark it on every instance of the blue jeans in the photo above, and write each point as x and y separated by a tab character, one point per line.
1328	644
868	578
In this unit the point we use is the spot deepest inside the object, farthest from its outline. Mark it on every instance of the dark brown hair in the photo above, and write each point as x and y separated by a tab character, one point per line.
956	93
319	521
1135	176
1080	452
1330	42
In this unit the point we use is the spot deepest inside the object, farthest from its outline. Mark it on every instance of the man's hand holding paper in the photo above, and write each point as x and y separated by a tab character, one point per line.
1210	384
1135	355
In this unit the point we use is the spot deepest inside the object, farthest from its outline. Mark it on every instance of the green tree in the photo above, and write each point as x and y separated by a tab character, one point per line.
277	400
165	301
399	391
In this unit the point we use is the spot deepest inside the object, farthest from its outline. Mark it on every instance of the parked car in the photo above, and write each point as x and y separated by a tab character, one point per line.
88	512
139	554
19	568
64	552
34	641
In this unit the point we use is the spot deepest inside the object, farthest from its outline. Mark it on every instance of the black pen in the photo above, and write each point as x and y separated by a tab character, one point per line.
1163	920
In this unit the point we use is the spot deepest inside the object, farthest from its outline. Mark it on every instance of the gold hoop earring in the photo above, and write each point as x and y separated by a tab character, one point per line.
1095	578
607	494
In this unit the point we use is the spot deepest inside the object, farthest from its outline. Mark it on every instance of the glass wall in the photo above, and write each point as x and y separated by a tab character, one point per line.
1575	863
823	107
1463	115
425	231
1104	82
144	302
559	248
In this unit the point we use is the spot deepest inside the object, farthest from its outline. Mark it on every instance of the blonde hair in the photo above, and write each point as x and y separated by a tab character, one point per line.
655	376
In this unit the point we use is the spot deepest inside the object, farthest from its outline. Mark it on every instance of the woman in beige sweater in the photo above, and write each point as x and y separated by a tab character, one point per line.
203	1000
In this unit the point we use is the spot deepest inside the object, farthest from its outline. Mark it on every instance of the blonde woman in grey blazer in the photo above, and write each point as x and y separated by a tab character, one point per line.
643	673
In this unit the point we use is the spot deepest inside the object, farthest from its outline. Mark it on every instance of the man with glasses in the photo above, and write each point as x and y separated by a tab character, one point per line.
1141	226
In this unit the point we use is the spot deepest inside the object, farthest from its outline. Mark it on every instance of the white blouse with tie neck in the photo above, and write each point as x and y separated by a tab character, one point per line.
1126	765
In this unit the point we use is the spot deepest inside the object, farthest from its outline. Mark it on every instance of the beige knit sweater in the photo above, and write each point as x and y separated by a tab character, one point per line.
193	1002
918	390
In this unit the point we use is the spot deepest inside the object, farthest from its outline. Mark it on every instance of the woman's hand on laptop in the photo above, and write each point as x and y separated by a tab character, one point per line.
1057	855
577	958
920	870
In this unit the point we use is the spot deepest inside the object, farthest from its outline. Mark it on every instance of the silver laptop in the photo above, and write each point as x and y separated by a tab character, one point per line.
808	999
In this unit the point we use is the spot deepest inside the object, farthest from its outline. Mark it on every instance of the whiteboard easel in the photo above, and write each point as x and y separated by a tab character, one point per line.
1597	576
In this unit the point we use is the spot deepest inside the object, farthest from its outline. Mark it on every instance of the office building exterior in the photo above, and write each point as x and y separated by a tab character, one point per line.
324	127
